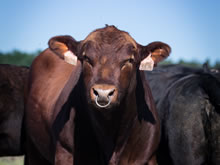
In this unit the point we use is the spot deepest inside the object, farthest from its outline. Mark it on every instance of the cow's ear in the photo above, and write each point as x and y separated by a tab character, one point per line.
65	47
153	54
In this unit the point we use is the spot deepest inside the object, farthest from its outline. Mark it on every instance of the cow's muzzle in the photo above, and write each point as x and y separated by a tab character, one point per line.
103	95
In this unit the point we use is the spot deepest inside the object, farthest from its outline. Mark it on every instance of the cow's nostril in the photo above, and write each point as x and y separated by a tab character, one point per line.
95	92
111	93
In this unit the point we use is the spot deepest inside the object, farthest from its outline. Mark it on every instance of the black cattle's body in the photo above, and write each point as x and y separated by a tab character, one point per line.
189	110
12	86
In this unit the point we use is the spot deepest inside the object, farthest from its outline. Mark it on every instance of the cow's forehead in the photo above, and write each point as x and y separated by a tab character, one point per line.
110	35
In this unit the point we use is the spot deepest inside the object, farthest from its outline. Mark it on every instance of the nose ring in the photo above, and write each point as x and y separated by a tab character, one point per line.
102	106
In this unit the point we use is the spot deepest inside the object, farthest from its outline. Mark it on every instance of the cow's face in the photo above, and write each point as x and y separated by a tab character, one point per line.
108	71
110	59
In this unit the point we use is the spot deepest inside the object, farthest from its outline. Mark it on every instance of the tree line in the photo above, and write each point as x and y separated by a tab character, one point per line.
17	57
20	58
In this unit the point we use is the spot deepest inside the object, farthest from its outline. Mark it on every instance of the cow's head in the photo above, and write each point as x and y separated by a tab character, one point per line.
110	59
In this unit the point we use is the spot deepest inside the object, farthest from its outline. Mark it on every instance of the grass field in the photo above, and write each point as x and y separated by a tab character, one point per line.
12	160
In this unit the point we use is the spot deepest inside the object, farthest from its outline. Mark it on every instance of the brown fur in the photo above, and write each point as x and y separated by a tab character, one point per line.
110	35
61	108
45	84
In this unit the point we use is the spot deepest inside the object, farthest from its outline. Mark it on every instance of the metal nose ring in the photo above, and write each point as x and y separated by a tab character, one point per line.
102	106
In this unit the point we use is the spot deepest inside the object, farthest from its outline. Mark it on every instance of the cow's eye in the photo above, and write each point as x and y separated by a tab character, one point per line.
87	60
127	62
130	60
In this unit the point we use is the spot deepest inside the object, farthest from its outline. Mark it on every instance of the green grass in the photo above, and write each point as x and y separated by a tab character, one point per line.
12	160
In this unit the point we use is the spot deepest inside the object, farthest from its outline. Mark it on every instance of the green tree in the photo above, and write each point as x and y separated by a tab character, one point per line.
16	57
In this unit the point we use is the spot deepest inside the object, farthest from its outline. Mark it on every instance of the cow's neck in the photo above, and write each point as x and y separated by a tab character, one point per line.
110	121
114	127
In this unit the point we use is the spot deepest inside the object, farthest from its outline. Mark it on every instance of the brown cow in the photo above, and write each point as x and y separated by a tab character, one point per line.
98	109
12	85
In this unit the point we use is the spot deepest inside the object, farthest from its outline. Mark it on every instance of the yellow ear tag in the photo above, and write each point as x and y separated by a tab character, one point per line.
70	58
147	63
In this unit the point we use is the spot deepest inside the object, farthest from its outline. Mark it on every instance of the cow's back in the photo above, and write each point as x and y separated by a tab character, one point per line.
163	76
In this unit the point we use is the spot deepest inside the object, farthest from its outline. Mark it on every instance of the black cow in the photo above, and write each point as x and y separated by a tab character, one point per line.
12	89
189	107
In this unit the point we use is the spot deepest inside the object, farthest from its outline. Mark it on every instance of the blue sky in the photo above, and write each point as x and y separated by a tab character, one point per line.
190	27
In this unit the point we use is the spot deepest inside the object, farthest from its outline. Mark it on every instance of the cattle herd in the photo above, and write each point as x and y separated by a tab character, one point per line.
100	101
